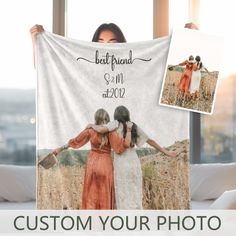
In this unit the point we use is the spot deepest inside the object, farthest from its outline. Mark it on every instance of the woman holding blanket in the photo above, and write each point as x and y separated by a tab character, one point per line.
98	188
127	167
128	174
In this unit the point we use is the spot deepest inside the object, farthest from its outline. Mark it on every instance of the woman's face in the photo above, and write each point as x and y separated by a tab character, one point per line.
107	37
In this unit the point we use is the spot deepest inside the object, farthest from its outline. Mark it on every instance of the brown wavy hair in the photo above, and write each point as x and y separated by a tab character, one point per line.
102	117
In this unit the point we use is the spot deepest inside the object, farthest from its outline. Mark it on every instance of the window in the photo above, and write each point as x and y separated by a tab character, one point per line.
18	78
135	18
213	137
218	132
16	47
178	13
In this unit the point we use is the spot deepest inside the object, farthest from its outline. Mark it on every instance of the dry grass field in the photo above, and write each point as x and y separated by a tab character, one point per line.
206	92
165	182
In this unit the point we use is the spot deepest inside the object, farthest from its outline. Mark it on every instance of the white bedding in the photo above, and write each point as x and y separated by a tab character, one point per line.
201	205
210	181
18	205
17	183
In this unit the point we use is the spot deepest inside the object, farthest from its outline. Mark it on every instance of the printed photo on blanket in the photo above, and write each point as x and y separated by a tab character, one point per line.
192	71
103	141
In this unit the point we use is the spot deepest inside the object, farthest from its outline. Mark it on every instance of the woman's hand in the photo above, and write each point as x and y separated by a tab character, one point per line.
36	29
57	151
191	26
129	124
33	31
128	137
171	154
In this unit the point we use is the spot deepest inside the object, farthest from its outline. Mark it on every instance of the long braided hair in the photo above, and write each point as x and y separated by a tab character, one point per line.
122	115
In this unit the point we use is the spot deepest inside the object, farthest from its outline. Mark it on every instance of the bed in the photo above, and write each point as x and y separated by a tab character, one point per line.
17	187
213	186
201	205
6	205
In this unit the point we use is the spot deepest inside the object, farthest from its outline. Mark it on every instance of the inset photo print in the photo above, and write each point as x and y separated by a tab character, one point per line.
192	71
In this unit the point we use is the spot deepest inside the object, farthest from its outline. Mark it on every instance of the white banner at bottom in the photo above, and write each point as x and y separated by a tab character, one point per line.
153	222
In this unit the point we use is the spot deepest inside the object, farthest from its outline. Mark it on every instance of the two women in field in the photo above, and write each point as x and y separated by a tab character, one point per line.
102	187
189	84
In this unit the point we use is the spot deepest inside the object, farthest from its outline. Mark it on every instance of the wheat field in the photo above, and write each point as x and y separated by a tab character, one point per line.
165	182
206	92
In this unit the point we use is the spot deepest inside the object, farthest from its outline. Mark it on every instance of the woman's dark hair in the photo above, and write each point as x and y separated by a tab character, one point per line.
109	27
198	60
191	57
122	115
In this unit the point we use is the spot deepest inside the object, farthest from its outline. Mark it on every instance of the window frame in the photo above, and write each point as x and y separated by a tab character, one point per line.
59	17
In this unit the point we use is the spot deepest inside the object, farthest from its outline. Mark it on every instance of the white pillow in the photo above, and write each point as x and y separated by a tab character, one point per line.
227	201
2	199
209	181
17	183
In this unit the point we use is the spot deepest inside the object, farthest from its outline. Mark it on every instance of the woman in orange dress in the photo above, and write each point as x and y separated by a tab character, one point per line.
98	189
185	80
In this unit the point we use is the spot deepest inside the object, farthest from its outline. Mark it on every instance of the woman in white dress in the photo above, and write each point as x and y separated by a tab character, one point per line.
127	167
196	77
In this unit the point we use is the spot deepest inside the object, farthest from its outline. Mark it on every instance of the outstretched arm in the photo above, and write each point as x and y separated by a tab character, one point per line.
180	64
76	142
152	143
206	70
